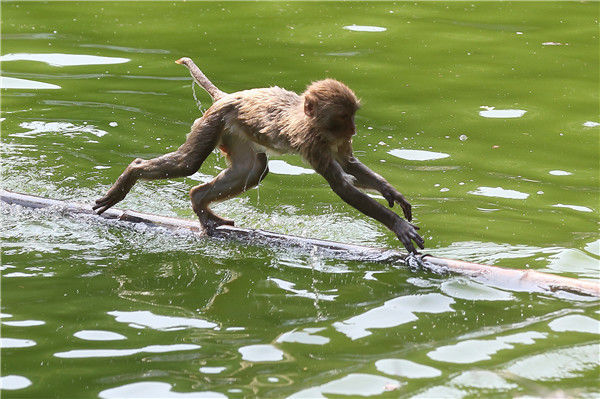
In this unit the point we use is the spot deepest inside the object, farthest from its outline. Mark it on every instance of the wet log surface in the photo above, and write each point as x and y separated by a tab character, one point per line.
513	279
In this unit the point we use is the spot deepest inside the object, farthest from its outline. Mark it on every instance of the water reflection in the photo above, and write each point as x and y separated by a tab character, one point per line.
154	390
90	353
557	364
418	155
287	286
212	370
470	290
304	337
499	192
577	323
61	60
352	384
15	83
477	350
14	382
393	313
482	379
574	261
573	207
261	353
98	335
67	129
491	112
144	318
16	343
365	28
280	167
406	368
24	323
560	173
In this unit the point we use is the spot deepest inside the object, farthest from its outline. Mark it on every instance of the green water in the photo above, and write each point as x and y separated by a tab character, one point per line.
96	309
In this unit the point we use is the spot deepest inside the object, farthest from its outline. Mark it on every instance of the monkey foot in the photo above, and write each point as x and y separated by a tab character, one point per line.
210	221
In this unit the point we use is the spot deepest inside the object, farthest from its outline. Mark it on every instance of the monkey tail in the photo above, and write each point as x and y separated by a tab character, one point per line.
201	79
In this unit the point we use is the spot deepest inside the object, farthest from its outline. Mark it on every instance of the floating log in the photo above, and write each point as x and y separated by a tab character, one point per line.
513	279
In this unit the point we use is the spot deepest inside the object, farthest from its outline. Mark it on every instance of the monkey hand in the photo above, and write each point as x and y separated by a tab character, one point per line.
407	233
116	193
392	196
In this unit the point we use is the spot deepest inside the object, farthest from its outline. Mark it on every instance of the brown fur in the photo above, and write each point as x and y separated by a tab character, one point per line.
319	125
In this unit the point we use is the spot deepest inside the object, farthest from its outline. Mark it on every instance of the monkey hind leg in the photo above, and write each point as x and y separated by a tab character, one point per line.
246	169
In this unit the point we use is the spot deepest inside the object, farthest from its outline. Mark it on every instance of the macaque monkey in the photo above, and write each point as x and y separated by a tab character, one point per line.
319	125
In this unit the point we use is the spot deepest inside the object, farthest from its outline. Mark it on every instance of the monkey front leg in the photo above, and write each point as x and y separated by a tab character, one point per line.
405	231
366	178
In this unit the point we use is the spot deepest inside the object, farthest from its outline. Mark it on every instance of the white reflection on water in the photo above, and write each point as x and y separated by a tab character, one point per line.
365	28
593	247
61	60
499	192
470	290
154	390
557	364
482	379
39	128
287	286
393	313
24	323
15	83
89	353
560	173
261	353
573	207
418	155
476	350
491	112
406	368
144	318
440	392
574	261
303	337
14	382
352	384
15	343
212	370
280	167
577	323
98	335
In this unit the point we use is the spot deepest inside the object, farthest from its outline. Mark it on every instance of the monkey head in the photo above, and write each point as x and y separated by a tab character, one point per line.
331	105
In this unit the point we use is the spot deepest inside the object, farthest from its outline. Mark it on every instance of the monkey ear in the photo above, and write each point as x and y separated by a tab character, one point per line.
310	104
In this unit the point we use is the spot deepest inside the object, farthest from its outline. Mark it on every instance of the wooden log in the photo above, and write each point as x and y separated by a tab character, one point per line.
513	279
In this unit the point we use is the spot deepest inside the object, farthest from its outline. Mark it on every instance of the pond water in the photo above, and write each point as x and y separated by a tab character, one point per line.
485	115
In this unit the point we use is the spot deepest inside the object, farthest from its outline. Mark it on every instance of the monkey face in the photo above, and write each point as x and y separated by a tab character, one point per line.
341	124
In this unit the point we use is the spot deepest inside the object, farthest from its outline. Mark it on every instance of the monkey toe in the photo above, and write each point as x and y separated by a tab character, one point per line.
210	221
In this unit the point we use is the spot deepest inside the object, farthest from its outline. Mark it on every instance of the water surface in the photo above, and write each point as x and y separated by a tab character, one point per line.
484	115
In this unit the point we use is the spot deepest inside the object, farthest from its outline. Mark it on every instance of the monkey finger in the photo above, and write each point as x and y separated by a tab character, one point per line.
406	208
99	203
408	244
419	240
389	198
101	210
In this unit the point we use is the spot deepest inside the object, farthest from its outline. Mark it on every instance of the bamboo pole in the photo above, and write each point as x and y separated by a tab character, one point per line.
513	279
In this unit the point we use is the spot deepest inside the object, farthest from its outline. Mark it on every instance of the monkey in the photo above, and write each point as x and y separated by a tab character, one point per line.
246	125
